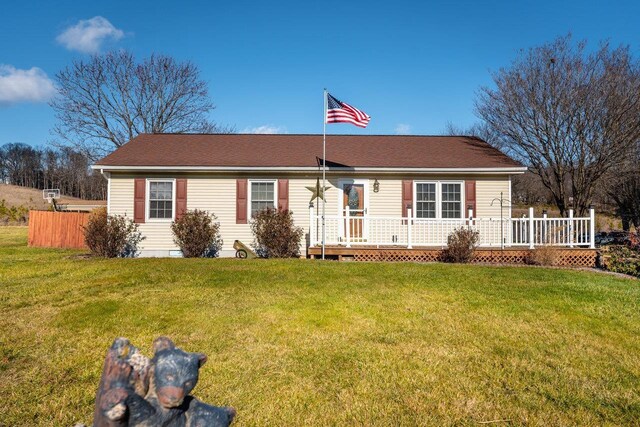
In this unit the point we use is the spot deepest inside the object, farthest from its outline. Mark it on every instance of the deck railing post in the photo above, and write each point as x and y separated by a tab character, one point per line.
347	226
532	234
570	228
545	238
592	227
409	231
470	215
312	226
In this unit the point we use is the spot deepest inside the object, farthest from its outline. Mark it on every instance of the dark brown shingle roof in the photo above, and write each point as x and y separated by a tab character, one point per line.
354	151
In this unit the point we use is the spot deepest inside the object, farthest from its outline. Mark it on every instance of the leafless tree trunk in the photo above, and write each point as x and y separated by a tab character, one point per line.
569	115
105	101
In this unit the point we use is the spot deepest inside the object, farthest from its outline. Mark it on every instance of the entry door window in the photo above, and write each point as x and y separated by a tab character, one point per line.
354	198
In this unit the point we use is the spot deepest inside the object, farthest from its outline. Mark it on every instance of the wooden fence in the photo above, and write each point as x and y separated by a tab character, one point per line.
57	229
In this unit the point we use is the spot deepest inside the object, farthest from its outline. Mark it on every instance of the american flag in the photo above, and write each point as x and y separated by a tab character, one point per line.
341	112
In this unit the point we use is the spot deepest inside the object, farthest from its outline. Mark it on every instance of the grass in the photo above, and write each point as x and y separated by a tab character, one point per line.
311	343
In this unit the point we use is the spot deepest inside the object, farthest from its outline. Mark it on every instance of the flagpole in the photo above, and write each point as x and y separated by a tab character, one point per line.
324	169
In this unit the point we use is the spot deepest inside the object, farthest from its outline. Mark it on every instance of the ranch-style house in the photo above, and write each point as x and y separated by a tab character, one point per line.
383	191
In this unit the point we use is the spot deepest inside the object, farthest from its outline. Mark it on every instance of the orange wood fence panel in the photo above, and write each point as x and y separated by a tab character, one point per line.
57	229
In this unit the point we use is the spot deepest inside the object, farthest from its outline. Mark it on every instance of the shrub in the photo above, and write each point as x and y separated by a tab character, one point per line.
623	259
275	234
14	214
544	255
197	234
111	236
461	245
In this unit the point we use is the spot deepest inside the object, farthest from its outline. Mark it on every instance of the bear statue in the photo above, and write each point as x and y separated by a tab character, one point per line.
125	372
136	391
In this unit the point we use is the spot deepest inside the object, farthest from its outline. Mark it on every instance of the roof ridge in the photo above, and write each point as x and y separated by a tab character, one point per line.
302	150
313	134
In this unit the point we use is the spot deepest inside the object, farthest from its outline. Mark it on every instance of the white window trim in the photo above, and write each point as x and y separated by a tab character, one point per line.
438	184
249	197
148	200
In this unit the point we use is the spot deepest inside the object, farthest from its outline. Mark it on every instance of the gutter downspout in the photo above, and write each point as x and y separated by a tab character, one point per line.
107	176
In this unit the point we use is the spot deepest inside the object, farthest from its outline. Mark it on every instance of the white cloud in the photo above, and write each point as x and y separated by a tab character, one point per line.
403	129
24	85
266	129
88	35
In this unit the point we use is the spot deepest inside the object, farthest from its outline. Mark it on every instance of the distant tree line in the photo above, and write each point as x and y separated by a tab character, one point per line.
63	168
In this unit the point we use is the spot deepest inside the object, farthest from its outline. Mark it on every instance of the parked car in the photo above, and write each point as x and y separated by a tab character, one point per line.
613	238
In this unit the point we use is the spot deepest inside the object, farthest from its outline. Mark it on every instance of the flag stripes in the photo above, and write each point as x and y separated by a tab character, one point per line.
341	112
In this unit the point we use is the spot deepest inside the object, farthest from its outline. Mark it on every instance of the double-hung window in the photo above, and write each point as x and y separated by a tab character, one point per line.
263	195
161	199
435	199
451	200
426	200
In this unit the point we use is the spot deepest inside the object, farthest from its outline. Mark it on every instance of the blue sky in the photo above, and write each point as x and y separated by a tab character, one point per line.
412	66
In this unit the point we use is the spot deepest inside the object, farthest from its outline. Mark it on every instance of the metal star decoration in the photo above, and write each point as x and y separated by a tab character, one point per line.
317	192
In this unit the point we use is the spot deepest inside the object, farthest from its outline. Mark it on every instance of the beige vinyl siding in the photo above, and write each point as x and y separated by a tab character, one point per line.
388	200
120	196
488	189
217	194
157	233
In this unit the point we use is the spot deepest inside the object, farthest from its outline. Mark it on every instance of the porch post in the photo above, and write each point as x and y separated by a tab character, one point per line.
312	226
409	232
570	228
347	226
532	235
592	227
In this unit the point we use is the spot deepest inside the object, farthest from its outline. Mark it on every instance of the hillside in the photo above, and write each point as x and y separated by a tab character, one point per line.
14	195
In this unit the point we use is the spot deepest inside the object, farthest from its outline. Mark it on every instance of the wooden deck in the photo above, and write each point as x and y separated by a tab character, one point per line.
576	257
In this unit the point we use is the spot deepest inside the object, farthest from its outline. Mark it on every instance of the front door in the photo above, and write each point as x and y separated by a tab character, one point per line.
353	196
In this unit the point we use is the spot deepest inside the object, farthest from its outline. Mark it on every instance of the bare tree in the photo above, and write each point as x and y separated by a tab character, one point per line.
624	189
526	188
569	115
105	101
480	130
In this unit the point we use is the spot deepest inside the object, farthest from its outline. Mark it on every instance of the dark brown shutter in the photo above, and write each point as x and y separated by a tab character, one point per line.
407	196
139	188
283	194
181	197
470	197
241	201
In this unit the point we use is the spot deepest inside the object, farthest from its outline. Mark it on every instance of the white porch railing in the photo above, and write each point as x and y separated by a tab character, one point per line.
347	230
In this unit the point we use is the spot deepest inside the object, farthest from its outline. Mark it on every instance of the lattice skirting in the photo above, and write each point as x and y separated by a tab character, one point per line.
563	257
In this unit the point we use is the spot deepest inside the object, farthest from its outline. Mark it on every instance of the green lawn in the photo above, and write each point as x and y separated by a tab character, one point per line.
324	343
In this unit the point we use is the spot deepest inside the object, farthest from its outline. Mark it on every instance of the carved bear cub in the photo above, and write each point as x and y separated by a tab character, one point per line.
156	394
